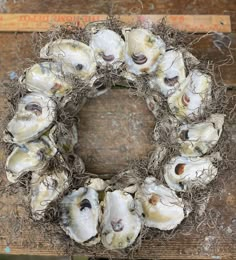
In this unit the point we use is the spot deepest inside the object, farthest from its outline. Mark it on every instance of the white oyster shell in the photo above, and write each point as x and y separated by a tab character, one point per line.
45	189
108	47
170	73
182	173
190	98
80	215
32	156
143	50
46	78
197	139
34	115
160	205
76	57
131	188
96	184
121	224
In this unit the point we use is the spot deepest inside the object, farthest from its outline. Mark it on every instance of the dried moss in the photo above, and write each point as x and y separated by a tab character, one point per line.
197	198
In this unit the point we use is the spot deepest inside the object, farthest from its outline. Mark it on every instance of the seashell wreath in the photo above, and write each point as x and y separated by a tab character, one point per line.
85	64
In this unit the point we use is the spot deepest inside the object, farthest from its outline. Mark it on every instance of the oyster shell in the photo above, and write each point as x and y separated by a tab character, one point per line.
182	173
34	115
32	156
143	50
77	58
190	98
46	78
108	47
120	225
94	27
98	86
45	189
160	205
170	73
126	181
96	184
80	215
198	139
189	59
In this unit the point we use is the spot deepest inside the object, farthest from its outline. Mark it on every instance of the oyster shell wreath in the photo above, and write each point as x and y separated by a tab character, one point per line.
101	210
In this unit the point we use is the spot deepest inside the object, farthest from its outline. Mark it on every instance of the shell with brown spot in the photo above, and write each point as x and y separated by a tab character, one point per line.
160	206
181	173
191	98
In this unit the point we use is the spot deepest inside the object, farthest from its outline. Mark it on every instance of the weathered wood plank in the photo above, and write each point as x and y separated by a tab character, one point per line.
127	136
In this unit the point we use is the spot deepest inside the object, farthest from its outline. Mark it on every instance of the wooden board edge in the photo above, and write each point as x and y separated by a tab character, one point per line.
24	22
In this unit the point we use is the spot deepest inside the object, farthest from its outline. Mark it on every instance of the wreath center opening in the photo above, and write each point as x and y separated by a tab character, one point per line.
115	129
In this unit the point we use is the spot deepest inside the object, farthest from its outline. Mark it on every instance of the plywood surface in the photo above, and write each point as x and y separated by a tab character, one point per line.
109	116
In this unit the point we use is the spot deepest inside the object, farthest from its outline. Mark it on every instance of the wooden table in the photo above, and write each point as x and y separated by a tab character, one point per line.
116	128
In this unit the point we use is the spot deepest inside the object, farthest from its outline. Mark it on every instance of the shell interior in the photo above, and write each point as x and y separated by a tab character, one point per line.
108	53
120	225
77	58
32	156
190	99
96	184
35	114
80	215
45	189
181	173
47	78
170	73
198	139
143	51
160	205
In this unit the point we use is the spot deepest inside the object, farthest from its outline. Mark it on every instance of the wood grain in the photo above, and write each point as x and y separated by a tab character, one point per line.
23	236
111	134
43	22
125	7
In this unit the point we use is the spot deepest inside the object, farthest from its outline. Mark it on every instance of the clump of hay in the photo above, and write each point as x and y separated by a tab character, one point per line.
196	198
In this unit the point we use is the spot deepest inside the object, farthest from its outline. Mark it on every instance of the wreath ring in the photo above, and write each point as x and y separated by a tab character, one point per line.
76	64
